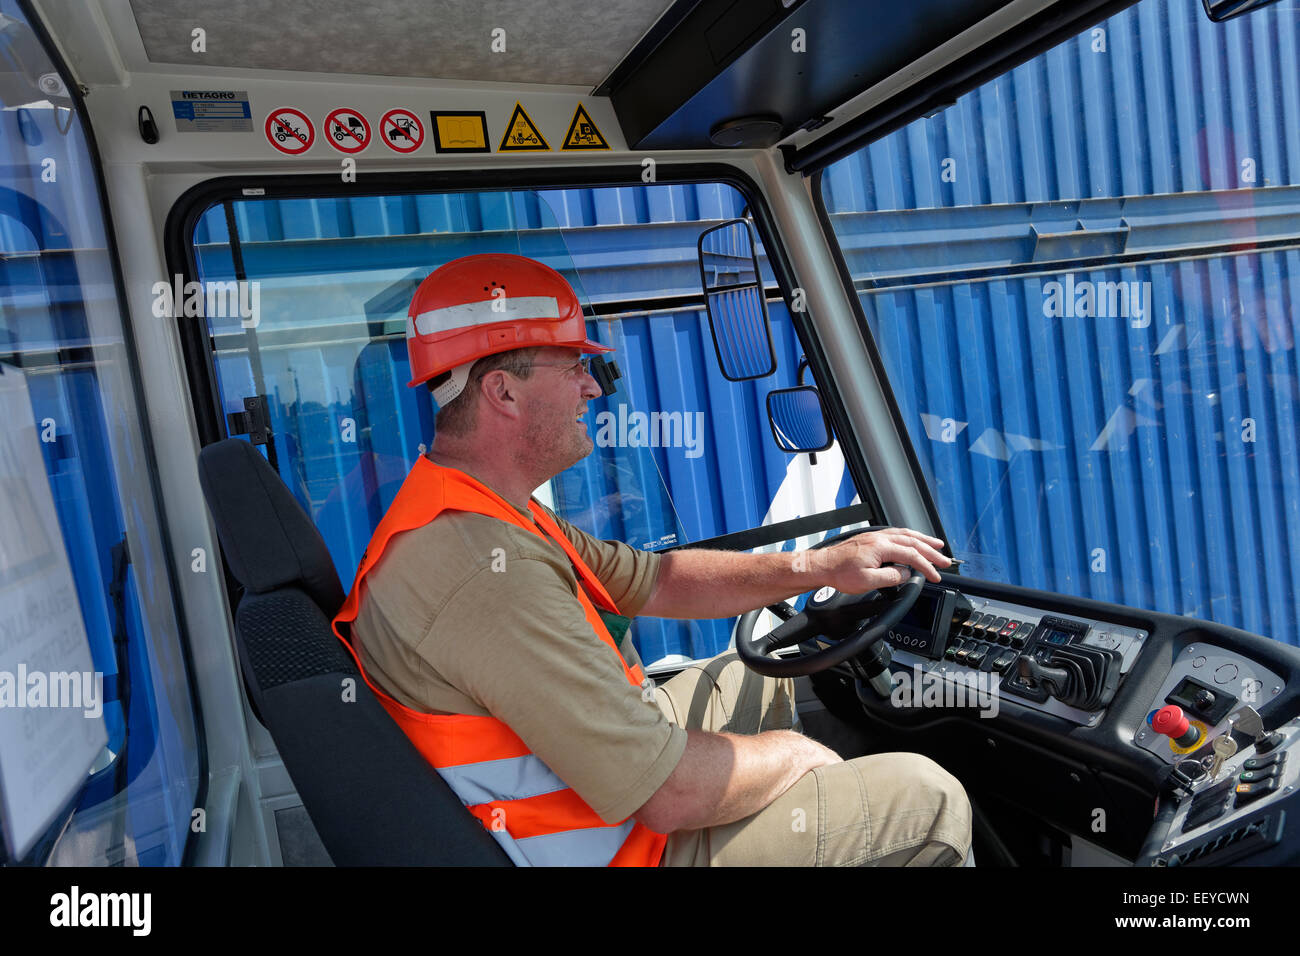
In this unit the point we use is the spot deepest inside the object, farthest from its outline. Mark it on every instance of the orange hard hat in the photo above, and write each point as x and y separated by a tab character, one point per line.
483	304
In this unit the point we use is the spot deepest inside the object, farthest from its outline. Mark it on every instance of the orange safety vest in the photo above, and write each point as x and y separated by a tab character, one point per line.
532	813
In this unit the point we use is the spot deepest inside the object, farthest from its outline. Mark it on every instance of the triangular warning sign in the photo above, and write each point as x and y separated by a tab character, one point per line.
522	135
582	132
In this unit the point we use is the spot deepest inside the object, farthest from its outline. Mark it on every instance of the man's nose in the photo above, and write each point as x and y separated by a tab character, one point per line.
590	387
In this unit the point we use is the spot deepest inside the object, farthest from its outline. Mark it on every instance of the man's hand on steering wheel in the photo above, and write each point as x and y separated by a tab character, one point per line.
866	561
845	610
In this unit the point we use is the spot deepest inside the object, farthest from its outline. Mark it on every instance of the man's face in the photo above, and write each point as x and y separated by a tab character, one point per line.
556	396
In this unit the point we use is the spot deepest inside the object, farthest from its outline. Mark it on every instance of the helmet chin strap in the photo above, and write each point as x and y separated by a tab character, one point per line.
455	384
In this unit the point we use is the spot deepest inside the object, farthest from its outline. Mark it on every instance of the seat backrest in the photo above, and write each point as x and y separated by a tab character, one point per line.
372	797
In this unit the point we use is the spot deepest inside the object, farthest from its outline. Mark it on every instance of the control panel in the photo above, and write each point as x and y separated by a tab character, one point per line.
1203	688
1236	806
1060	664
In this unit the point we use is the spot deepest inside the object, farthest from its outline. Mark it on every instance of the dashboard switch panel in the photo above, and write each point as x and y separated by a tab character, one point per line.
1208	684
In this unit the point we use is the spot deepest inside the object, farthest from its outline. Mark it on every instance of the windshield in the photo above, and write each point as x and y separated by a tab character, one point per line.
681	454
1080	279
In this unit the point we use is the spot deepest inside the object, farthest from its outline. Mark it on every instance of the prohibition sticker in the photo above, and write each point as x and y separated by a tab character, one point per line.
289	130
522	135
402	130
347	131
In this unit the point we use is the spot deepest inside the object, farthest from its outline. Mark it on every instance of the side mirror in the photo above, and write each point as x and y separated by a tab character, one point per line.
798	419
1220	10
736	302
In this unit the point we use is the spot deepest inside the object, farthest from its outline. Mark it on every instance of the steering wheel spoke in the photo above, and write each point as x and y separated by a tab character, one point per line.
793	631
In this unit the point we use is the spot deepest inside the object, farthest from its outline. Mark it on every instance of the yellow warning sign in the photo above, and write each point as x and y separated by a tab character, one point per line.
522	135
582	132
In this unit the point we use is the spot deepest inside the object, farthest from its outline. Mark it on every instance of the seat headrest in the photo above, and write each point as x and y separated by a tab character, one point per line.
268	538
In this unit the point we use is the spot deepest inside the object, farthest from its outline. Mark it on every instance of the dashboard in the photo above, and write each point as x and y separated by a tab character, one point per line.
1167	740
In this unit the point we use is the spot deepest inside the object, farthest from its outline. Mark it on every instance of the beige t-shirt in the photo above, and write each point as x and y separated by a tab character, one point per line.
472	615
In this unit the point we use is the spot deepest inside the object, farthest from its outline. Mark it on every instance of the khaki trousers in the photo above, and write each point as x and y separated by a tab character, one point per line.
894	809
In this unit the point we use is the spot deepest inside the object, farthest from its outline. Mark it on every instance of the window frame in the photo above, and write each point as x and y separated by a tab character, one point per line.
76	92
183	218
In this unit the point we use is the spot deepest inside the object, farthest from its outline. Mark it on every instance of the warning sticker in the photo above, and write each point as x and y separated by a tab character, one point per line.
289	130
582	132
212	111
402	130
460	131
347	131
522	135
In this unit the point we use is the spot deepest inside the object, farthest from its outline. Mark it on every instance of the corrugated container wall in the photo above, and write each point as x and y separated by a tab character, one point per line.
1082	278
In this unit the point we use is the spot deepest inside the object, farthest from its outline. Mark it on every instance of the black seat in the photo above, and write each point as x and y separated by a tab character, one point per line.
372	797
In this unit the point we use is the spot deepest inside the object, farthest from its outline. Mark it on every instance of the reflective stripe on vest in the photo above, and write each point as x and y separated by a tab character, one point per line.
528	809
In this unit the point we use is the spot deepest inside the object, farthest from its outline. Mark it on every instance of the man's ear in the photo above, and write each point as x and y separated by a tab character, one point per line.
500	391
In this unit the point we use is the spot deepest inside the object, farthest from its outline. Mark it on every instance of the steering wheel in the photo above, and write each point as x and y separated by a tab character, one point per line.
854	621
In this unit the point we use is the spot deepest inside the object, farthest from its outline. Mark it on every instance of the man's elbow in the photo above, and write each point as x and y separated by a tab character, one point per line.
672	808
660	813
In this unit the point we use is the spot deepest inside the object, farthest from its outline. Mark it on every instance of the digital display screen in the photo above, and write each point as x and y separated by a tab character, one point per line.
1056	637
915	632
921	616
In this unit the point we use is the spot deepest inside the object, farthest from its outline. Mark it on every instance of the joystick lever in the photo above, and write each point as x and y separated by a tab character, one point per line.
1082	677
1054	680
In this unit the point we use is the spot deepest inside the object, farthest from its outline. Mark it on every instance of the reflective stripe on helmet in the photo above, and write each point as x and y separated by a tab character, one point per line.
468	314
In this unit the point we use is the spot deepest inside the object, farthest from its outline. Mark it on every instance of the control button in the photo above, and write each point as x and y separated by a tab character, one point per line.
1254	776
1151	716
1009	627
1248	792
976	657
1170	721
1018	639
1005	637
966	631
1199	661
1204	699
1003	661
963	653
951	652
1258	763
985	621
998	624
1208	805
1225	673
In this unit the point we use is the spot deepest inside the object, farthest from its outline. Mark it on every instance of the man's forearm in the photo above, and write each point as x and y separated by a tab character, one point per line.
722	778
700	584
707	584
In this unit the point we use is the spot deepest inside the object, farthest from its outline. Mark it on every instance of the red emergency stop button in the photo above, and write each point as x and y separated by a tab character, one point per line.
1170	721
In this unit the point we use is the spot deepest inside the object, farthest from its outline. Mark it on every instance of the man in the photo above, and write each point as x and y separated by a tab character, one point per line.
495	633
